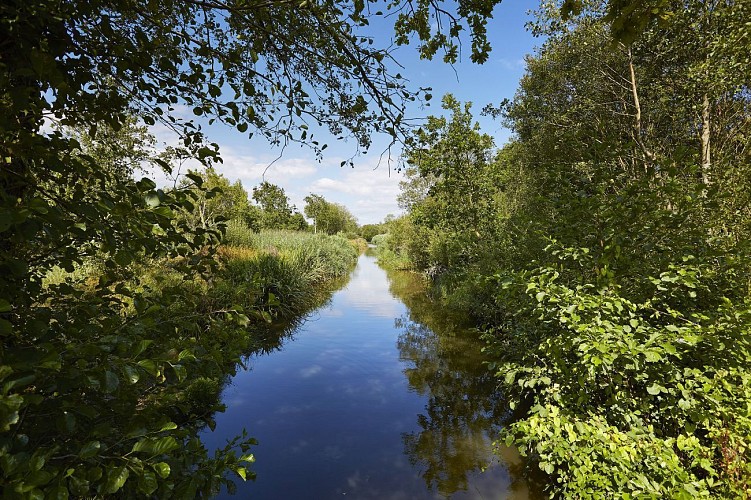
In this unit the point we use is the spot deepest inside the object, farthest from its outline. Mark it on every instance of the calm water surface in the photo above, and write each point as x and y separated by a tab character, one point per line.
378	395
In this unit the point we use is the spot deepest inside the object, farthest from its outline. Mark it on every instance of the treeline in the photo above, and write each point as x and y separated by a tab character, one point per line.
267	208
604	251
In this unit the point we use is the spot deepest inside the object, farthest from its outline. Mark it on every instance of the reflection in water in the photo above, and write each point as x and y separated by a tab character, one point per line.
355	404
445	364
460	409
271	338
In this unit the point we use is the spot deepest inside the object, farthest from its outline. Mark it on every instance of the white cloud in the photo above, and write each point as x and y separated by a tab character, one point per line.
368	192
511	65
310	371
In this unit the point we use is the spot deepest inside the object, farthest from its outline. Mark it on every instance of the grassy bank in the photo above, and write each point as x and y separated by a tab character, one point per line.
138	410
277	274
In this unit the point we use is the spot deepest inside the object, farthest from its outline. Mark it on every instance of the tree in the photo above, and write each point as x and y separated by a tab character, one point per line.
451	185
276	212
217	200
367	231
315	208
123	150
331	218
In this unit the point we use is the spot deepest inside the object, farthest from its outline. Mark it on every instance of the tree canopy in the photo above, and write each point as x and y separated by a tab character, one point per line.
328	217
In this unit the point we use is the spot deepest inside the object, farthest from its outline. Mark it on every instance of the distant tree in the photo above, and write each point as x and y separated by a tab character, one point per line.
121	150
367	231
315	208
297	222
217	200
275	208
329	217
414	188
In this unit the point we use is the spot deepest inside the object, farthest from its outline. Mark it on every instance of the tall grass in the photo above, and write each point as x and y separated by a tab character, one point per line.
279	272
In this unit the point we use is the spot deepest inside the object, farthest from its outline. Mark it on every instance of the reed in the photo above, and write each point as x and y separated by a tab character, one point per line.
279	272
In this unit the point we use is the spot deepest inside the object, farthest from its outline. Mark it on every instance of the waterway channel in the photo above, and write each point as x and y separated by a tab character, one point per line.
378	394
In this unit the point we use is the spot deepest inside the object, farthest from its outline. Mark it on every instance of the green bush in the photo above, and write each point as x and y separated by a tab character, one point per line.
379	239
634	398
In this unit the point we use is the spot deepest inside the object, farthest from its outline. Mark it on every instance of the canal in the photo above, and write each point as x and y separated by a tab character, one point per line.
379	394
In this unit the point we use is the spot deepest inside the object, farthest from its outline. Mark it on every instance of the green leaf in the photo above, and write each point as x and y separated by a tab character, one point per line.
147	483
150	366
655	389
156	446
168	427
132	374
240	471
115	480
163	469
164	212
652	356
6	328
123	257
90	449
180	371
111	382
152	200
57	493
141	346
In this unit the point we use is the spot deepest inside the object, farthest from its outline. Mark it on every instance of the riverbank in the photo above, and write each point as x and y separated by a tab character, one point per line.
136	386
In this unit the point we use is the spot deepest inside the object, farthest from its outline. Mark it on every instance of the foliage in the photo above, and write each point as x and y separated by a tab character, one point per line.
369	231
459	206
335	253
278	273
89	403
216	200
359	244
401	247
379	239
624	342
122	150
331	218
274	203
638	398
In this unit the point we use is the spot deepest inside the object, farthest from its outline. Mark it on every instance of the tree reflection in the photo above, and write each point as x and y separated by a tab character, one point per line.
444	364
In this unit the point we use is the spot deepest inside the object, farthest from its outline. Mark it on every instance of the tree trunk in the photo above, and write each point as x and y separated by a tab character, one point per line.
706	136
648	155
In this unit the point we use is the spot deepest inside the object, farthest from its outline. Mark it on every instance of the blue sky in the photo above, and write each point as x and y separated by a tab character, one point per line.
369	190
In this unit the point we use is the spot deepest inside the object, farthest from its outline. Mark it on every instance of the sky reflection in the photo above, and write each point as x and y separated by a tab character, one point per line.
368	402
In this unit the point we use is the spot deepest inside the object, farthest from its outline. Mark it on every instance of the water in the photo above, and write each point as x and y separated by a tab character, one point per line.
372	399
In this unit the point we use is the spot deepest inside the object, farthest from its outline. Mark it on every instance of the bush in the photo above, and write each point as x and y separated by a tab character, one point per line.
379	239
359	244
629	397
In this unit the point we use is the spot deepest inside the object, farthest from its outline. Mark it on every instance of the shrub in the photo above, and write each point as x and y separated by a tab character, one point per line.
636	398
